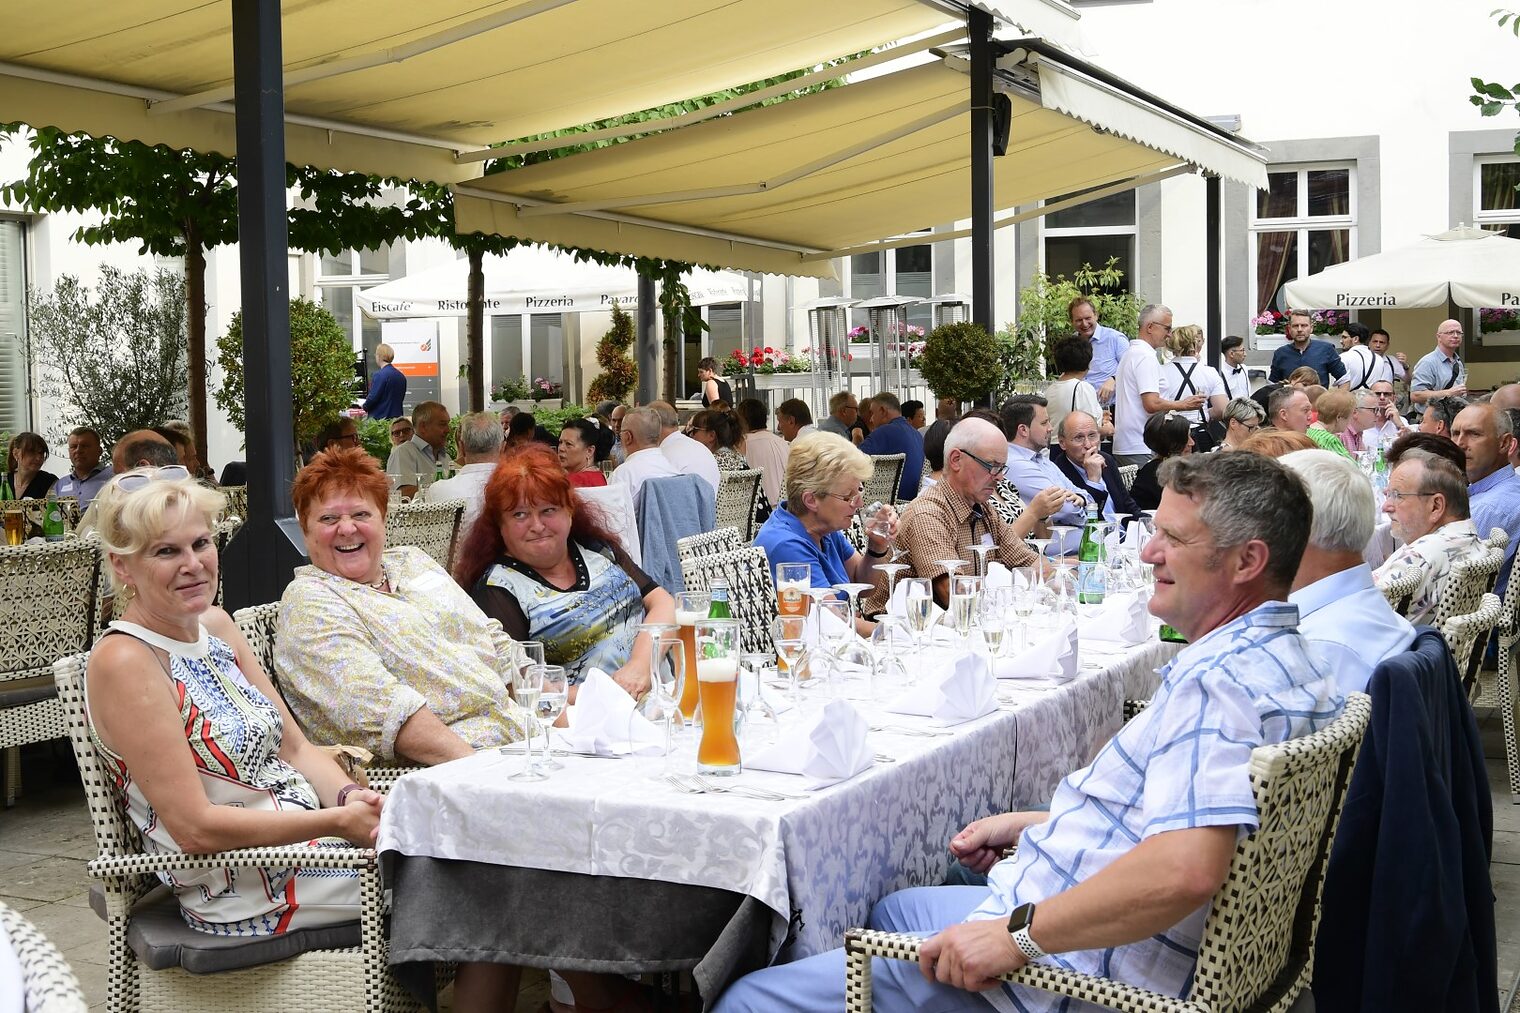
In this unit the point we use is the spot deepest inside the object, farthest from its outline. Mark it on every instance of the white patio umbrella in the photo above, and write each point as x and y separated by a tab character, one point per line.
1469	266
533	279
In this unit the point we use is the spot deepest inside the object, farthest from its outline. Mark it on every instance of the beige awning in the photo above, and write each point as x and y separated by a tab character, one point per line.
784	188
401	88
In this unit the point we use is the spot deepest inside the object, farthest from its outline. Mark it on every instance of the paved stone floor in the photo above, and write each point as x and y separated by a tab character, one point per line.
46	838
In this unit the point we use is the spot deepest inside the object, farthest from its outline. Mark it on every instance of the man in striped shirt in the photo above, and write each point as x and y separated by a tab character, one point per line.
1116	879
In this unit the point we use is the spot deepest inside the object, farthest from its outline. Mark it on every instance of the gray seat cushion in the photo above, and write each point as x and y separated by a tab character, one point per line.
161	939
19	692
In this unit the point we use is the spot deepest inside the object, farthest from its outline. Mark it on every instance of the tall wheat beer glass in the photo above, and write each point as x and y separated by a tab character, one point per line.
691	608
717	681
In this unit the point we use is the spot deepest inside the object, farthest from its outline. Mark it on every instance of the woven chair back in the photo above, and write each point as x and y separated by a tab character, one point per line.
114	834
48	604
1467	583
718	540
752	592
883	484
1259	937
737	493
431	527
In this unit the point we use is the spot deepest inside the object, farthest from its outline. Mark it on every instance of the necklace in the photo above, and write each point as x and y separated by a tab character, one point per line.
380	585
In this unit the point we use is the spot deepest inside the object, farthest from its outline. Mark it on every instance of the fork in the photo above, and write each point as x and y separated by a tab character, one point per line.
764	794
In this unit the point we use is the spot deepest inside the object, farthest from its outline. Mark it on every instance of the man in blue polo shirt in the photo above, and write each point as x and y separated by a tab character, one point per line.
1303	350
1108	347
893	434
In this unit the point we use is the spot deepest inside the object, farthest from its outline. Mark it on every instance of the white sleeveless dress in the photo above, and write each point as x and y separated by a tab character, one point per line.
234	734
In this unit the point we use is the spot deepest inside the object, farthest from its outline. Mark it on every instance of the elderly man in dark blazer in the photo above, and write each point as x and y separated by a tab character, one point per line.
1097	473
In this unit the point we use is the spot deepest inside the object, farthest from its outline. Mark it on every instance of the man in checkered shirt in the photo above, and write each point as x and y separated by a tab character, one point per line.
1122	868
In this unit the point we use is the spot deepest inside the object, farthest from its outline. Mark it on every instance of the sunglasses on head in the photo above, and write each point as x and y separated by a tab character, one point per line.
131	481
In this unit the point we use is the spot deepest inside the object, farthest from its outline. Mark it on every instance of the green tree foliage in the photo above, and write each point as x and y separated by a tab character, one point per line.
1490	97
620	374
960	361
1044	317
321	369
114	360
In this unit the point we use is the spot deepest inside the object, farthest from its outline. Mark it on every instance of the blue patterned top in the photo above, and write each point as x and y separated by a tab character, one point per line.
1183	762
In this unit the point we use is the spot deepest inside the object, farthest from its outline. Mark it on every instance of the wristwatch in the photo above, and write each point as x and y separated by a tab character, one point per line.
1018	928
877	555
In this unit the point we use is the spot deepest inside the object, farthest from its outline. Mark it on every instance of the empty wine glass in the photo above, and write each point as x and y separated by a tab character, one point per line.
982	552
852	591
891	570
848	655
551	703
789	635
952	566
872	524
1059	538
527	683
887	641
1026	590
665	660
751	695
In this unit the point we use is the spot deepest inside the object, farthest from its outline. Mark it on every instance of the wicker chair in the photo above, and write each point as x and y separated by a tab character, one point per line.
258	624
1466	584
752	592
237	500
883	484
48	607
431	527
738	492
1006	501
330	979
719	540
1467	636
1508	693
48	984
1257	950
1399	592
1127	474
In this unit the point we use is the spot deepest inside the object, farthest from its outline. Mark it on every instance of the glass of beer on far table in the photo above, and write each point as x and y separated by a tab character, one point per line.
792	583
718	682
691	608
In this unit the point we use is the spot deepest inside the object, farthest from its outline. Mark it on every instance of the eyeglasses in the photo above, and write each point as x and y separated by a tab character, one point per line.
1396	496
406	431
855	501
995	470
131	481
1249	427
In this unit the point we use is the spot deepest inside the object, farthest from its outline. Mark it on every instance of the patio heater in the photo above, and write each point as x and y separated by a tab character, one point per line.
951	308
887	320
828	329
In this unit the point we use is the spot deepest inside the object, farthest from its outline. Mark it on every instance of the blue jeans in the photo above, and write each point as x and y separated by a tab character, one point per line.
816	984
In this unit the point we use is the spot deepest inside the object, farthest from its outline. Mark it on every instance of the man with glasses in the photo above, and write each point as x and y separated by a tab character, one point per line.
1095	473
1137	387
401	431
945	520
1361	432
1441	373
1427	504
1303	350
844	412
340	432
1389	422
1026	421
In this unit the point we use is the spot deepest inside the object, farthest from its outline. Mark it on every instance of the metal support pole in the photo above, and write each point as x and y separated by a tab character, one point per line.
979	29
646	350
1214	238
271	543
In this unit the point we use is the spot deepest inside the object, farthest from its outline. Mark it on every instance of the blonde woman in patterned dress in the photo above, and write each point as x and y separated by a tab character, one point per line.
205	756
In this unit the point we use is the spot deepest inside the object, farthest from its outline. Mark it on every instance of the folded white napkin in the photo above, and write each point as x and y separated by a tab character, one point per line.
959	692
603	720
898	605
1135	535
1123	618
826	748
999	575
1052	654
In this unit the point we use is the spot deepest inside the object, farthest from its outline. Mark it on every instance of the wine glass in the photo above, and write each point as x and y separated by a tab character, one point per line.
965	596
886	650
751	694
1026	592
871	524
551	703
845	648
665	662
1058	538
533	652
852	591
527	683
952	566
982	552
992	618
918	609
891	570
789	635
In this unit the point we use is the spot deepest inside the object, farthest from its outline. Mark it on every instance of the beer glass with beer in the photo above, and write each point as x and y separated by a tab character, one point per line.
691	608
792	583
718	683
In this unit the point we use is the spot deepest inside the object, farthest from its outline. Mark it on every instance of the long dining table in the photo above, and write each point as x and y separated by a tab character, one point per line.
608	867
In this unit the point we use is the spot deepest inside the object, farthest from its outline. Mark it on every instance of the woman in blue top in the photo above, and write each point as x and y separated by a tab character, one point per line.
824	476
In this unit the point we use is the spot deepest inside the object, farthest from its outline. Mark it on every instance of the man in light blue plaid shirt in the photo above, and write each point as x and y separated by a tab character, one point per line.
1121	871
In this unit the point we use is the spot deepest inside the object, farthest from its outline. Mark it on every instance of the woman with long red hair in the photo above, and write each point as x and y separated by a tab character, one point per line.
545	565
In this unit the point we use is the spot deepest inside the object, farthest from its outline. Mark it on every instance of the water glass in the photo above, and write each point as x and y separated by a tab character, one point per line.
552	694
527	684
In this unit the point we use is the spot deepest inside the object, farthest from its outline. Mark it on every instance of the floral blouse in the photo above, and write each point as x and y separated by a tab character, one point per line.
1433	554
354	663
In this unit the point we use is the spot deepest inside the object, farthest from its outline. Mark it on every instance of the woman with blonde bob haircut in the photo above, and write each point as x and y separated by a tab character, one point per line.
824	487
206	756
1185	376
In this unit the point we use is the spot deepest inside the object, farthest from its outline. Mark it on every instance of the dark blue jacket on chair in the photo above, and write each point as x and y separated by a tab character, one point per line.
1408	915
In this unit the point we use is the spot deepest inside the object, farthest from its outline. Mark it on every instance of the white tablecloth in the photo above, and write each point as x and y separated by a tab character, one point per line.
819	863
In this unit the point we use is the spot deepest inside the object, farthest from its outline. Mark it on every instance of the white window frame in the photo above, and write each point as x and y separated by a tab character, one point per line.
1303	223
353	282
1480	217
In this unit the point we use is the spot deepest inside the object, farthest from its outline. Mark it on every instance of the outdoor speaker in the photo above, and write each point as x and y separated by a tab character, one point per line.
1002	123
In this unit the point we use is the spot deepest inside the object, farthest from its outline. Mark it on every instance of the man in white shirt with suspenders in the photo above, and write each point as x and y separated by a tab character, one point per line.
1366	363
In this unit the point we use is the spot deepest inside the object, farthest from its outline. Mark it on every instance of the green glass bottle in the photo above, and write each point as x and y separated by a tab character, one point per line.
52	518
1090	556
1170	635
718	607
